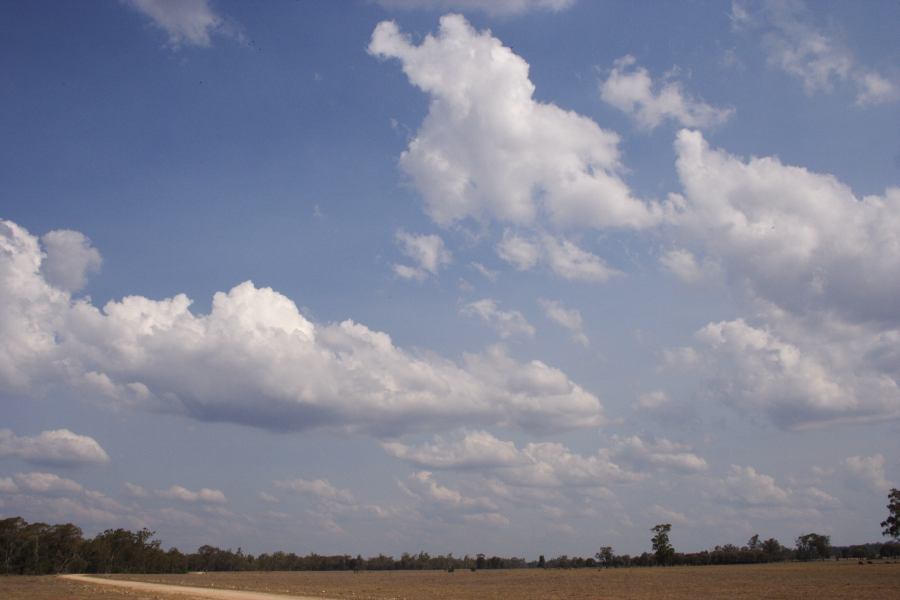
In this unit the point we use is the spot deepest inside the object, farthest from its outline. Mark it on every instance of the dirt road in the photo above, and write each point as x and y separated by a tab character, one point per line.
184	590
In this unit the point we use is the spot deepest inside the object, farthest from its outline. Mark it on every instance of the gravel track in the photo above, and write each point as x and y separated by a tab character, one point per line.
184	590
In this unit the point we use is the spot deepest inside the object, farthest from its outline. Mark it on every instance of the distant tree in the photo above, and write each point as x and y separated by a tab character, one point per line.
541	562
772	548
753	543
605	556
812	546
662	549
479	561
892	523
889	549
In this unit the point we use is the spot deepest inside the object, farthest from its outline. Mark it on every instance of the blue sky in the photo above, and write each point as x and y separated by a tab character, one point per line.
521	277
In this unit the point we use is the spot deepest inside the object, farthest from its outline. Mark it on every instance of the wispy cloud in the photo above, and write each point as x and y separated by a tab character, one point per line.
187	22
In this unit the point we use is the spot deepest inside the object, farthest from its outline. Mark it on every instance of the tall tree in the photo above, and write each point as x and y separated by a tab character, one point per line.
892	523
813	545
662	549
605	556
772	548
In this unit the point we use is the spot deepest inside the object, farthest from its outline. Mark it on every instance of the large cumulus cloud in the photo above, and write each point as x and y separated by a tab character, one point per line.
255	359
819	268
489	151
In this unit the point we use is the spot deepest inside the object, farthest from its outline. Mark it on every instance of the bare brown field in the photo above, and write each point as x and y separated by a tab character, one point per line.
787	581
49	587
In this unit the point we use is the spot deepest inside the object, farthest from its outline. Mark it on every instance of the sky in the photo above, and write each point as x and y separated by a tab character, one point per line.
517	277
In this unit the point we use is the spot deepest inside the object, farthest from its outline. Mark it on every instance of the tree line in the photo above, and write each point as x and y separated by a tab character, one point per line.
39	549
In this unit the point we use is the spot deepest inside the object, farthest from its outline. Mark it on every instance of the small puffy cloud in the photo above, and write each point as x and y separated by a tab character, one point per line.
427	251
546	465
668	516
46	483
746	485
682	357
56	447
330	503
796	46
506	323
52	498
875	89
135	490
658	406
657	454
519	251
424	486
757	495
488	274
267	497
654	400
490	7
70	259
186	22
203	495
631	89
493	519
321	489
536	381
568	318
473	449
683	264
488	150
563	257
551	464
255	359
572	263
869	470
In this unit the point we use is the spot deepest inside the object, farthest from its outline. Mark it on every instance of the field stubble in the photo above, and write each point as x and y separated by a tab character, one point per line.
822	581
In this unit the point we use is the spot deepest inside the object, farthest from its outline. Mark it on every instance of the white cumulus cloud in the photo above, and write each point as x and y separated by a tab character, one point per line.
46	483
487	149
820	268
427	251
55	447
746	484
424	486
563	256
660	453
70	259
799	239
683	264
869	470
520	251
490	7
472	449
546	465
204	495
815	379
631	89
255	359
